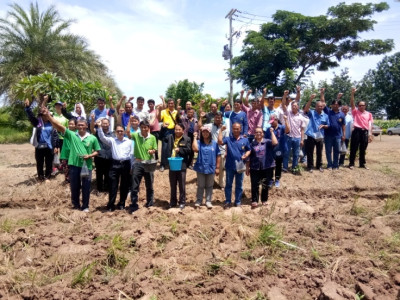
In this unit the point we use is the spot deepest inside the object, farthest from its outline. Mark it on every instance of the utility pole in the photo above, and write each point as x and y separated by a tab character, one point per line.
230	15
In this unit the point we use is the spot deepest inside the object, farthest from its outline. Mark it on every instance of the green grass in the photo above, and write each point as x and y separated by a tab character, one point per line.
269	235
84	275
392	204
9	135
356	209
8	225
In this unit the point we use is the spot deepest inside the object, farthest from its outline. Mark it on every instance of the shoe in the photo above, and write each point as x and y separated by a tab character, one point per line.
364	167
335	169
227	205
329	169
133	209
321	170
181	206
264	203
238	204
209	205
254	204
197	204
277	184
162	169
172	206
284	170
86	210
310	170
121	207
351	167
271	183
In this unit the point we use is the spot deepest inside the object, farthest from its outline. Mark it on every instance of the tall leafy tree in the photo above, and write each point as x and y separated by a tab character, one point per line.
34	41
303	43
341	83
185	90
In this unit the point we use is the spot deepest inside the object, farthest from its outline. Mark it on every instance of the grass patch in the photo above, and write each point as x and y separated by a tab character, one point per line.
10	135
269	235
356	209
392	204
9	226
114	257
84	275
174	227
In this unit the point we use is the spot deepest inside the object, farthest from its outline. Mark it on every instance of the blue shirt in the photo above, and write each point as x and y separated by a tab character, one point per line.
266	115
349	125
240	117
315	121
207	159
125	118
101	113
336	121
261	156
280	149
46	135
236	148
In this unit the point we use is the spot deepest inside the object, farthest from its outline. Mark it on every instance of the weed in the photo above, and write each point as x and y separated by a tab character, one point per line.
213	269
174	226
157	272
394	242
6	225
386	170
109	273
269	236
236	218
359	296
154	297
355	209
260	296
247	255
83	276
101	237
392	204
6	247
162	241
114	259
297	170
270	266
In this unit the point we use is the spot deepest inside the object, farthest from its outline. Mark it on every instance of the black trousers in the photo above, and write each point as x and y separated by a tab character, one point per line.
157	136
191	154
358	141
278	168
177	178
103	167
312	143
138	174
164	147
44	156
119	171
257	178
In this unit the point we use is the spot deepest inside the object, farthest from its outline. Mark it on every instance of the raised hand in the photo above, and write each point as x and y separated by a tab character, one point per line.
26	102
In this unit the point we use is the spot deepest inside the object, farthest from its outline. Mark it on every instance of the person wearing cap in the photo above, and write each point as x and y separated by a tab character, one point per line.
254	115
362	132
178	145
279	151
238	150
101	111
58	115
45	141
261	165
207	164
319	122
267	111
83	147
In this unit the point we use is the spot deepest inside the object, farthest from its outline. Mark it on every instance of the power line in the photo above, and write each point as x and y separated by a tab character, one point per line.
247	13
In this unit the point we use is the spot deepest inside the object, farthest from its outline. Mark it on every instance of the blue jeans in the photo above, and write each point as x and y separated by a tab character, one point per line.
294	145
332	142
77	183
230	174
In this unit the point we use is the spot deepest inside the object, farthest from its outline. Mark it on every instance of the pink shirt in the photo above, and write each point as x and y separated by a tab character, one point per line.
361	119
296	122
153	115
254	118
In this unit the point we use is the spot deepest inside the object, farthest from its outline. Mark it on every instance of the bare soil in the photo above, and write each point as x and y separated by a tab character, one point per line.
331	235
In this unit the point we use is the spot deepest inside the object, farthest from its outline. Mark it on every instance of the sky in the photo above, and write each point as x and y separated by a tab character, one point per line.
149	44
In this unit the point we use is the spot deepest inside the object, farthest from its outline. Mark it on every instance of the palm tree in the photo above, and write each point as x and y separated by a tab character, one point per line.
32	42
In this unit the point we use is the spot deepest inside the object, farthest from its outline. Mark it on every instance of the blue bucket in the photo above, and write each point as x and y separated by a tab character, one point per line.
175	163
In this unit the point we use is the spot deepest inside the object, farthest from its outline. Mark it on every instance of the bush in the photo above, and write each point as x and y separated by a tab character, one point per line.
10	135
385	124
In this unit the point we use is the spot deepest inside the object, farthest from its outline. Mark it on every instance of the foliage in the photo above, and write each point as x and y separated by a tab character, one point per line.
385	124
297	42
34	41
185	90
70	91
339	84
10	135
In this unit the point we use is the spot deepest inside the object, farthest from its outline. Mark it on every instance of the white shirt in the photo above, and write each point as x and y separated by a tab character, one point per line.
121	150
141	114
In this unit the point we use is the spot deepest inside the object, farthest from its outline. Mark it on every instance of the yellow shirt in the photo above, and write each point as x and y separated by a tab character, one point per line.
176	143
166	117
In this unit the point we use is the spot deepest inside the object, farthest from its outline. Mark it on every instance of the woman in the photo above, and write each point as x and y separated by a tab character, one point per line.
78	113
207	164
178	145
261	165
65	150
45	141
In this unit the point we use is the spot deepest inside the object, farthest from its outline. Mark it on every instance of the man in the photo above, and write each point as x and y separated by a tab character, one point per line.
140	111
101	111
153	120
362	132
280	132
123	118
348	131
315	133
179	145
144	149
296	135
188	106
122	156
267	111
253	113
170	118
238	116
191	125
335	133
58	115
104	159
83	147
210	115
238	150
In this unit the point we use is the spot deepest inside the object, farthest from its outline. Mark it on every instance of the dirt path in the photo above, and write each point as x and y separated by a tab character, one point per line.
328	235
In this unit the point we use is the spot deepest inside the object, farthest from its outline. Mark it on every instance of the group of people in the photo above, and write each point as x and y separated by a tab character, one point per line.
247	139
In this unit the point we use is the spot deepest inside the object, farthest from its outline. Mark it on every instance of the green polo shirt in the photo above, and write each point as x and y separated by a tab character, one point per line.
78	148
142	145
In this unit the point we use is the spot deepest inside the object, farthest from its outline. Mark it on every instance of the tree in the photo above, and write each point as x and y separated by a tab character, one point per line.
302	43
385	82
33	42
185	90
339	84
